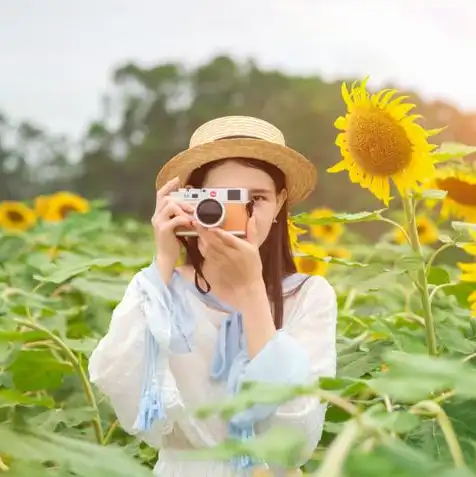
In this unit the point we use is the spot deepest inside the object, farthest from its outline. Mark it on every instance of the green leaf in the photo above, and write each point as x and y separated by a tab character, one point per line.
306	218
454	340
451	150
432	194
110	289
84	345
22	336
82	458
463	226
328	259
345	262
34	370
253	393
397	459
409	263
32	469
438	276
12	397
279	446
70	270
359	363
49	420
414	377
461	292
445	239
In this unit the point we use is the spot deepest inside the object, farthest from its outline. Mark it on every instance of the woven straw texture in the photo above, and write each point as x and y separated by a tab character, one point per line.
223	138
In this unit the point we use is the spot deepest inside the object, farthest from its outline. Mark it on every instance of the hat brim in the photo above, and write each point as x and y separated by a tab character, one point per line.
300	173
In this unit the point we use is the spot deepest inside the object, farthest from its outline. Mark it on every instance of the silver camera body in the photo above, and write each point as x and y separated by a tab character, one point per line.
227	208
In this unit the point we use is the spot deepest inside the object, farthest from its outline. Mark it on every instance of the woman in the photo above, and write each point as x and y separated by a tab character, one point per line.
236	312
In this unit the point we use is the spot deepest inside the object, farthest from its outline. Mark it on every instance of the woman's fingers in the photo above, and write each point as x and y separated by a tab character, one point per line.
178	221
213	246
164	191
172	209
226	238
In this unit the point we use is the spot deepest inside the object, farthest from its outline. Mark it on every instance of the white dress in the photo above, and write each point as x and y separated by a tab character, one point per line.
117	364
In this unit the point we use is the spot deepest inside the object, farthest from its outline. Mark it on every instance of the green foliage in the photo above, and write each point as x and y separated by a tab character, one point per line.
59	285
392	407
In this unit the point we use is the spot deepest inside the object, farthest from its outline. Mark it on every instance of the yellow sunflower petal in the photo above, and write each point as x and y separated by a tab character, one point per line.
341	123
381	142
471	249
346	96
305	262
340	166
16	216
459	183
62	204
469	272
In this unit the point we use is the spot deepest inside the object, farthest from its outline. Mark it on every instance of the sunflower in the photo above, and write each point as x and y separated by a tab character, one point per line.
380	141
427	232
459	182
41	205
338	252
16	216
469	274
61	204
305	263
294	232
329	233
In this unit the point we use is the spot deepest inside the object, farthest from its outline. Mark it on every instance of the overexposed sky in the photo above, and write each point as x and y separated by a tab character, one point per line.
56	56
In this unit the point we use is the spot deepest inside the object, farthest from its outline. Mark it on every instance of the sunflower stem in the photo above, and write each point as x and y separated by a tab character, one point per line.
421	279
96	422
395	224
432	408
435	254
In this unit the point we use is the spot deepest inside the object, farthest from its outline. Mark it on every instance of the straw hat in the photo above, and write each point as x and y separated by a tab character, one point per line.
246	137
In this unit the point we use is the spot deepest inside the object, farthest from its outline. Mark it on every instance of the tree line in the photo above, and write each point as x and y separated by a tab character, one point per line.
151	112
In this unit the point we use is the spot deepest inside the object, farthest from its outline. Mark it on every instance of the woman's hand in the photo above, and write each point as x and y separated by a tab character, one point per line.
237	260
169	215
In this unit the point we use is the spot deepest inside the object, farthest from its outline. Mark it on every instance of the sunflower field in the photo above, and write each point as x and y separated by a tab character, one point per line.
403	402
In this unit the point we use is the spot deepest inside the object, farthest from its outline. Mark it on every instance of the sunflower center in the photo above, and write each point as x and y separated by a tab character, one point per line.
421	229
461	192
66	209
378	142
15	216
328	228
308	265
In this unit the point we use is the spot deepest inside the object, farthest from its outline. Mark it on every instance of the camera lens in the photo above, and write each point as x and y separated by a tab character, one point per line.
209	212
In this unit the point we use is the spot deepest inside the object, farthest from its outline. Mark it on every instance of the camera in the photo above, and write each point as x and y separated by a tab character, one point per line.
229	209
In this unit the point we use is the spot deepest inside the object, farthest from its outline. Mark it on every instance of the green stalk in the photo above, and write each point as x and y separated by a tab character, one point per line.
79	369
338	451
434	409
421	282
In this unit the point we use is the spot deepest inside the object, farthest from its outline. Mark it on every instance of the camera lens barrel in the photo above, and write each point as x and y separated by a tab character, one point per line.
209	213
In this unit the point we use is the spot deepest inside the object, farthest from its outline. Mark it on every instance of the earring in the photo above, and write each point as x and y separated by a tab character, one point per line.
275	221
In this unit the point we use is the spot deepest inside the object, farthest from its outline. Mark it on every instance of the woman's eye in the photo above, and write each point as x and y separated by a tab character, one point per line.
257	198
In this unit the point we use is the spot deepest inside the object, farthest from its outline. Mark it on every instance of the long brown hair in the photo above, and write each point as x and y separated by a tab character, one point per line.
275	252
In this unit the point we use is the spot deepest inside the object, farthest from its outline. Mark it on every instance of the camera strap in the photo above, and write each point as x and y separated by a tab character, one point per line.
197	267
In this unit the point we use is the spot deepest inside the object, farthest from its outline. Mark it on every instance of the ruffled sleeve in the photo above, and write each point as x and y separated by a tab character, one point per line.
130	363
302	352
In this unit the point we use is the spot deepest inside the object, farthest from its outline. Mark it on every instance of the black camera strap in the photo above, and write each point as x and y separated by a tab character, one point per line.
197	267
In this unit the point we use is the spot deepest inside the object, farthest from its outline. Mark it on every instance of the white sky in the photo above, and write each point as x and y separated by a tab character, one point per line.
56	56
